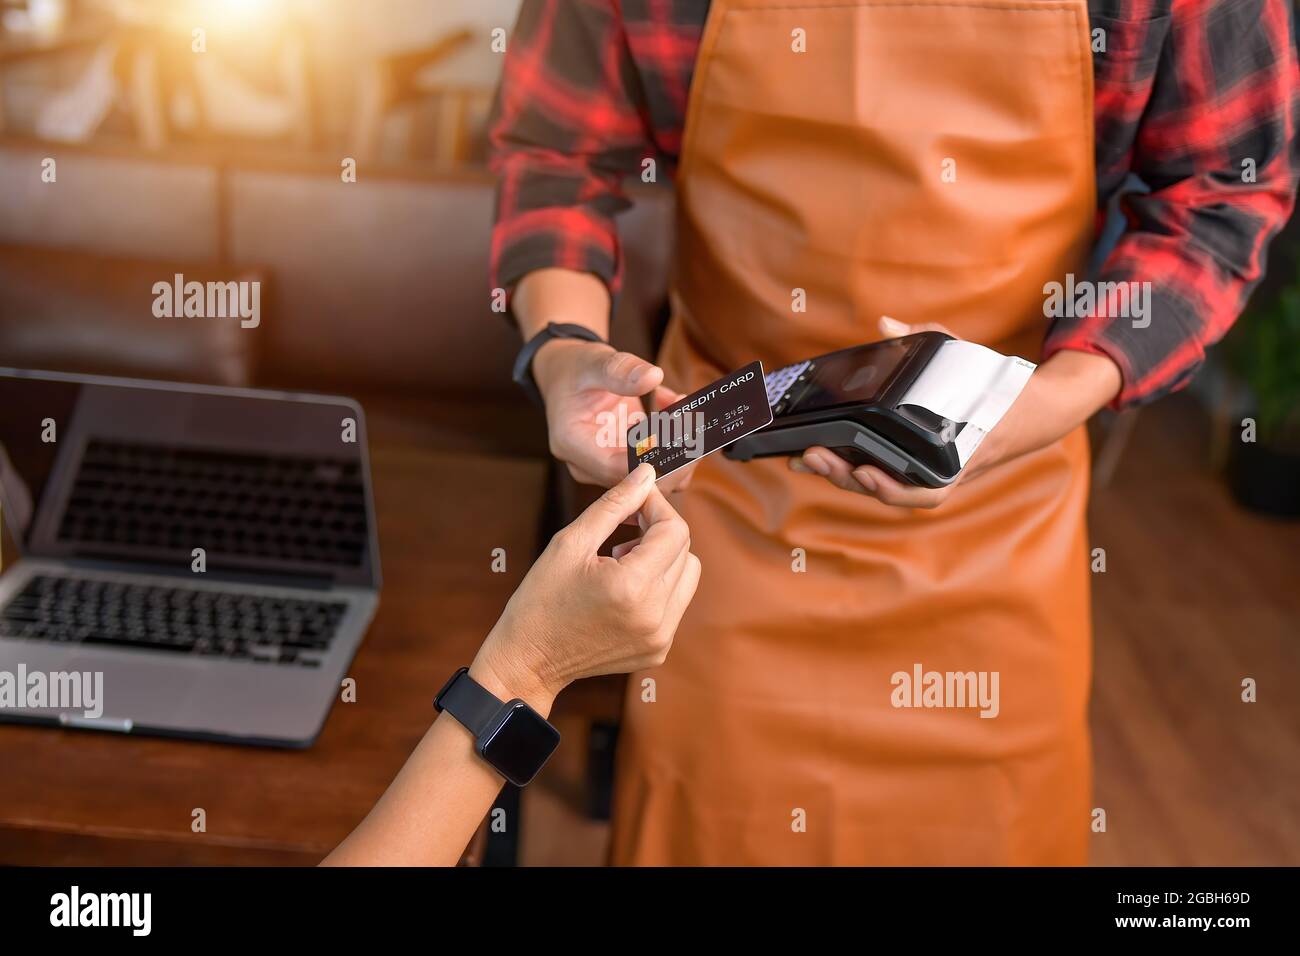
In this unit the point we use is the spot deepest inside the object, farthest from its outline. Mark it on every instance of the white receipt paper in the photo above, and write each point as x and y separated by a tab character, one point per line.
965	382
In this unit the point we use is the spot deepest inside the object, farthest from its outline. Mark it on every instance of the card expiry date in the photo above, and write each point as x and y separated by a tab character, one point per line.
699	424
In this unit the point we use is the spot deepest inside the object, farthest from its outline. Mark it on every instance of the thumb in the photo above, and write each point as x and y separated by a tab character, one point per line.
621	373
603	517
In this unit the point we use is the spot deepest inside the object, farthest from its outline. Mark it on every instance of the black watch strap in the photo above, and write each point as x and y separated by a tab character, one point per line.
469	702
523	370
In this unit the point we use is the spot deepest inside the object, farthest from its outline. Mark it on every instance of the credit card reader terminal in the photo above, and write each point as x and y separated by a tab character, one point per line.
852	402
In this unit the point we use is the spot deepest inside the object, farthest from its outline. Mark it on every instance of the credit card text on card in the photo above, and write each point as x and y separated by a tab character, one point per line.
702	422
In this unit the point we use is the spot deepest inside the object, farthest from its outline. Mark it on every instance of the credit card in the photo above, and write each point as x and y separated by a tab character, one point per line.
702	422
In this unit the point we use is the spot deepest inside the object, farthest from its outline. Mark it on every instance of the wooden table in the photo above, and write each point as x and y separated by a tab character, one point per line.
82	797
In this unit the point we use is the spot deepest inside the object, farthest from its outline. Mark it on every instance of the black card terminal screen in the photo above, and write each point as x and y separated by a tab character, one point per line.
851	376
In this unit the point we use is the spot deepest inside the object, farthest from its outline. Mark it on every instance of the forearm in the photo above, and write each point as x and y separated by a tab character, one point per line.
430	811
561	176
1072	387
561	295
1217	152
1063	393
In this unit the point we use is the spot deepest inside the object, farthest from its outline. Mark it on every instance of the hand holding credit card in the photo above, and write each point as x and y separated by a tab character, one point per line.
713	417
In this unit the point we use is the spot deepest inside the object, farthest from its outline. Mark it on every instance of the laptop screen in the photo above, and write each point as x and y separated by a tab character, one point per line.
116	470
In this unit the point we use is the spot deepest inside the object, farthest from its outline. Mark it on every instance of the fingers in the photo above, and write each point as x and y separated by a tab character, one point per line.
604	467
646	515
892	328
590	529
891	491
623	548
680	596
681	478
822	461
674	572
577	437
621	373
867	480
665	537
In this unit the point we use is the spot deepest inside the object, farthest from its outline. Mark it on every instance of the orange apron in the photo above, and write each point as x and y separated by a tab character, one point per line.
930	161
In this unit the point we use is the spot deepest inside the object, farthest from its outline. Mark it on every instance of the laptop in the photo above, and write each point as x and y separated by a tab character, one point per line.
206	557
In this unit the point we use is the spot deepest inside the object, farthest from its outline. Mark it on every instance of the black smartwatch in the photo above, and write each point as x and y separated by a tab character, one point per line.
523	373
514	739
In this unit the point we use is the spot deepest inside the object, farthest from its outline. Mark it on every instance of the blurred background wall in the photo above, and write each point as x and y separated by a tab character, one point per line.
336	150
53	48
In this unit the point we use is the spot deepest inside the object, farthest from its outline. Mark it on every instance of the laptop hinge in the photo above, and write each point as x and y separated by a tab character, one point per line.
307	582
121	725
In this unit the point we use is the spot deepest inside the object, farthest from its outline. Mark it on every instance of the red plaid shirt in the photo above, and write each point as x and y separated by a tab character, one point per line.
1199	98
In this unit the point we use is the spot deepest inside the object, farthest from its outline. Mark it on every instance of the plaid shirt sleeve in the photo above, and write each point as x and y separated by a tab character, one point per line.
1216	144
568	128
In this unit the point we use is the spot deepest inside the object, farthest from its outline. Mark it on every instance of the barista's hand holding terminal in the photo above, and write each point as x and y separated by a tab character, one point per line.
576	614
1062	394
588	387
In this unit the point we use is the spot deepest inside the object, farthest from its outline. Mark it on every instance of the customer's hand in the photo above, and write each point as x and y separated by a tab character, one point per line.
1062	394
578	614
592	395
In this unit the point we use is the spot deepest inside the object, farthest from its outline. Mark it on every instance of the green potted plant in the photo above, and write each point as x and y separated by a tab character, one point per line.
1264	354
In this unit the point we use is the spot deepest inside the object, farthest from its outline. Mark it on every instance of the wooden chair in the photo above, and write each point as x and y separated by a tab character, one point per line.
393	83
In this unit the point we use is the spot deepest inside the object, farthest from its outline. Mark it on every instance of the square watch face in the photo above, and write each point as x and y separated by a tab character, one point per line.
521	744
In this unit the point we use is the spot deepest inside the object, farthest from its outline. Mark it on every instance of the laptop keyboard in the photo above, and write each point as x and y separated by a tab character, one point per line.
238	626
152	498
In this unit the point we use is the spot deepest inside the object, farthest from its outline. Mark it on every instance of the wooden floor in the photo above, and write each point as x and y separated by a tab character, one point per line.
1197	596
